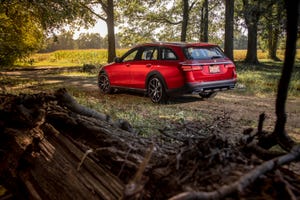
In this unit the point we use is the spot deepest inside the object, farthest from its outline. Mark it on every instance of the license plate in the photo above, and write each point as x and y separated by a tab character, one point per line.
214	69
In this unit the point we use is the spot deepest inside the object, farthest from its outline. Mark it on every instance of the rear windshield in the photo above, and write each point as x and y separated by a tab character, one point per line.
203	53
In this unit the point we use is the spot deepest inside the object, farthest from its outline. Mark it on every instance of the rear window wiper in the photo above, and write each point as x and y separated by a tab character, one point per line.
213	57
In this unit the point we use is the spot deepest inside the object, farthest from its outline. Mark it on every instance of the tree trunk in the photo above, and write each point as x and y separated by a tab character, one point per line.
251	56
279	135
251	15
185	19
204	22
111	31
273	32
283	86
273	35
229	12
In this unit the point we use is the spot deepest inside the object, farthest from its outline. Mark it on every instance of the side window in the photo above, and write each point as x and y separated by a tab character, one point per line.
131	56
168	54
155	54
149	53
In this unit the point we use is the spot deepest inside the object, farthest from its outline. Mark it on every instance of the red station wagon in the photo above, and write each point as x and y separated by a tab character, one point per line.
165	69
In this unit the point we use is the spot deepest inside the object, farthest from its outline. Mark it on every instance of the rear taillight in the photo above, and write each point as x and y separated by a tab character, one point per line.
229	66
187	68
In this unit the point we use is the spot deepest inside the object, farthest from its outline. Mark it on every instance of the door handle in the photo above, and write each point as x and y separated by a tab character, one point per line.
127	65
148	65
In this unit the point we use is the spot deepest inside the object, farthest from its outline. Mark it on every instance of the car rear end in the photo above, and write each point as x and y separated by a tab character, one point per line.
206	69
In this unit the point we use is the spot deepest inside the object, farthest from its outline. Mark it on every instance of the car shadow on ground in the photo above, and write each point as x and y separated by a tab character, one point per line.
171	100
185	99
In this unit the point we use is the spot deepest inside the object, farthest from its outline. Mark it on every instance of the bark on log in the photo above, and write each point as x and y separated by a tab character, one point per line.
52	148
44	140
43	159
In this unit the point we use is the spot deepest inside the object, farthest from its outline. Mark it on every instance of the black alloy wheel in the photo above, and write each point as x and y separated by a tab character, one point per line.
156	90
104	84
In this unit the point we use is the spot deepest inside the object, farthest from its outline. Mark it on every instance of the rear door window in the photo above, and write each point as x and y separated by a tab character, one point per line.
149	53
168	54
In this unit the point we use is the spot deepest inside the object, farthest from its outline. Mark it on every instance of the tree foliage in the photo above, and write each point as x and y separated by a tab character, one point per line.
19	33
253	12
272	29
178	20
66	40
256	24
23	24
104	10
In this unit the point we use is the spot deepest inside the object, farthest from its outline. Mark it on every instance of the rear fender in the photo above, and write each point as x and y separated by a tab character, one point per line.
158	74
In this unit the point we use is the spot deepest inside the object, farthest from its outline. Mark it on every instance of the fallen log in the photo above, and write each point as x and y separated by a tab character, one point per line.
44	162
44	143
53	148
43	159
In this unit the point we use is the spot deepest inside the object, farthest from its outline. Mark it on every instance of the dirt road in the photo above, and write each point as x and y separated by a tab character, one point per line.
243	110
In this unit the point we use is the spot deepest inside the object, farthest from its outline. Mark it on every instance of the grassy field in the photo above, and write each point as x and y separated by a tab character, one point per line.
262	80
253	79
98	57
67	58
257	86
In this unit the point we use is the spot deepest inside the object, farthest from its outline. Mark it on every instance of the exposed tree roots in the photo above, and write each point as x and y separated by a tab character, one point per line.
51	147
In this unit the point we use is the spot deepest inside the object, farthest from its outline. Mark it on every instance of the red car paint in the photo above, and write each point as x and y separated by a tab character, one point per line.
167	69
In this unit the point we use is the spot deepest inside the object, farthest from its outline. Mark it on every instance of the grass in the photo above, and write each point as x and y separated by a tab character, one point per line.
262	79
146	117
67	58
240	55
76	74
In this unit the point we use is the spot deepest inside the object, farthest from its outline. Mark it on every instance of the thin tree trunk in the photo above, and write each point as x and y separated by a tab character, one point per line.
205	38
251	56
273	33
202	25
270	36
204	22
111	31
229	11
185	19
273	54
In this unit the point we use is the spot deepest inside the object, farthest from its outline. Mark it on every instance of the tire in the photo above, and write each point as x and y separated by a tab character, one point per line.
156	90
104	84
206	95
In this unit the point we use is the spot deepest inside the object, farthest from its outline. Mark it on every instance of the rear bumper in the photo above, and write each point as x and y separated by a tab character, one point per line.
199	87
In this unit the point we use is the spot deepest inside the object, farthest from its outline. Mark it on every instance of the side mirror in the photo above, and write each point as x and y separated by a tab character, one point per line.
117	59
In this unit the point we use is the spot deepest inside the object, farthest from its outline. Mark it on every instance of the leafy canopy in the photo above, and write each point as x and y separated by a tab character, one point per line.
23	24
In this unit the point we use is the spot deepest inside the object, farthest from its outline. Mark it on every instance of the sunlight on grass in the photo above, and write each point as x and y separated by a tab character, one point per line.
16	85
147	118
66	58
77	74
69	58
262	80
254	81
